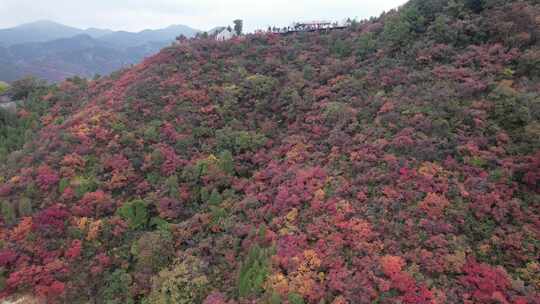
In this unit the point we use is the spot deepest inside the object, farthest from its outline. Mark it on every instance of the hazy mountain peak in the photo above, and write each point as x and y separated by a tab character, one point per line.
47	30
40	23
53	51
38	31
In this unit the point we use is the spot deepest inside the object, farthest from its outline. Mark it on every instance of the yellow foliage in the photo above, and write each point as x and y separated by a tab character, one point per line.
531	273
15	179
454	262
212	159
288	225
3	87
305	278
118	180
484	249
505	86
303	283
81	223
430	169
319	195
184	283
292	215
311	260
81	130
95	119
23	229
340	300
93	230
278	283
284	231
91	227
295	154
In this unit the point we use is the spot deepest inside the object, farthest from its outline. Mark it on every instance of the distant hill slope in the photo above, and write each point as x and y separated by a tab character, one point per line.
38	49
42	31
127	39
394	161
81	56
39	31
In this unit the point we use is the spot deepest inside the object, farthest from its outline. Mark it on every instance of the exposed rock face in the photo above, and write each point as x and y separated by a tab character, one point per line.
22	299
9	106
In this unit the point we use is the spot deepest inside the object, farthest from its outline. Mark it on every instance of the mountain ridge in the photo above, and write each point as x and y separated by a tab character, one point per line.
46	30
36	57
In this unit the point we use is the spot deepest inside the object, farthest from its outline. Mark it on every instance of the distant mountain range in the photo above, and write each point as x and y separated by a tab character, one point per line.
54	51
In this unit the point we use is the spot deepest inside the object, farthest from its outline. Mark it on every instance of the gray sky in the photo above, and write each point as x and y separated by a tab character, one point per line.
135	15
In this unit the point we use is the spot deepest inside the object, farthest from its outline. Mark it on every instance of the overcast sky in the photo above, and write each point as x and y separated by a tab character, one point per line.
135	15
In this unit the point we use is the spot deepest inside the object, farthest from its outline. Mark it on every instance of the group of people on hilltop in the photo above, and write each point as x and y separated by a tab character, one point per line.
228	32
307	26
303	26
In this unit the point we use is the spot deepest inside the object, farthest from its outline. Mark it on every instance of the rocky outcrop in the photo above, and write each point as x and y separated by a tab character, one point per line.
22	299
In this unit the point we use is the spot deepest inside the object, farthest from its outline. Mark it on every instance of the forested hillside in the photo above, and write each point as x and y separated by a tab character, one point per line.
396	161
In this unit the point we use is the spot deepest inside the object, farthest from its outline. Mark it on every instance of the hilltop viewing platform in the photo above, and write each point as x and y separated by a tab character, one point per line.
309	26
225	33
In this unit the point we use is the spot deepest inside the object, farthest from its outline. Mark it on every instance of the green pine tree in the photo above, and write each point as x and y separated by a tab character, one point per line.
8	212
226	162
215	198
25	207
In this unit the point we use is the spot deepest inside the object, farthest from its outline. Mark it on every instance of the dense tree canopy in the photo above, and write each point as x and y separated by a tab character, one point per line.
3	87
395	161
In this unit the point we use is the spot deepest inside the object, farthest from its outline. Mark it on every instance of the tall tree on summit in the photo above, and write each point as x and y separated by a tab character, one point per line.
238	26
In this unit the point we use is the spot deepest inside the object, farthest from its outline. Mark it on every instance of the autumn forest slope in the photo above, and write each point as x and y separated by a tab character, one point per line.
397	161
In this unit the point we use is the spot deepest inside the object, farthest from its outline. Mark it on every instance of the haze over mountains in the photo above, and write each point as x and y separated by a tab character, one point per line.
54	51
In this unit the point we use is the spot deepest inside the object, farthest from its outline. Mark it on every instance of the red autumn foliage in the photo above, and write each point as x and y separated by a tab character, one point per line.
392	265
74	251
392	161
50	221
94	204
433	205
7	257
46	178
485	282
